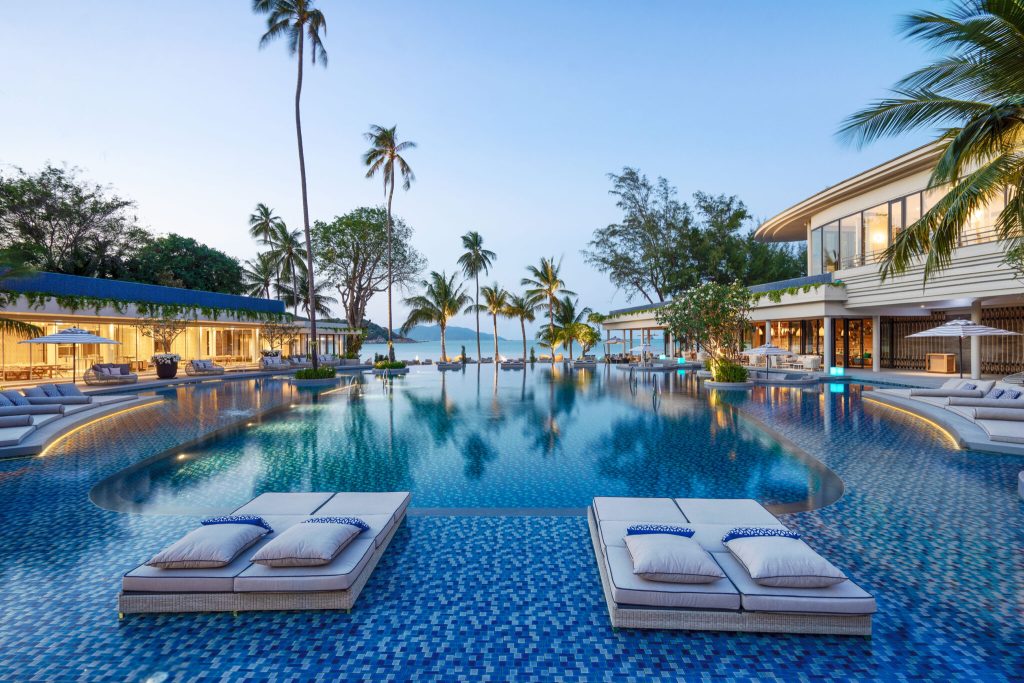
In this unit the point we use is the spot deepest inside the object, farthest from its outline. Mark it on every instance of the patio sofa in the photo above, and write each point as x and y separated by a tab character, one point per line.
203	368
110	373
274	363
734	602
241	585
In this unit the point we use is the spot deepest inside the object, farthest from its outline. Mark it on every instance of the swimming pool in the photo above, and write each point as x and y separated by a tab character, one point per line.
481	440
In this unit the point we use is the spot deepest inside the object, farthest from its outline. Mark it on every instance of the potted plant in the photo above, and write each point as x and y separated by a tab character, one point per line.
166	365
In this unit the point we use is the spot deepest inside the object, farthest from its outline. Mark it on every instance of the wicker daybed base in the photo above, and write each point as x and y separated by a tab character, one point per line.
253	601
632	616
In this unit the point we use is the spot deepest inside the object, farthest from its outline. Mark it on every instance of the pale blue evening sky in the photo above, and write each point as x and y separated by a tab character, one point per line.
519	109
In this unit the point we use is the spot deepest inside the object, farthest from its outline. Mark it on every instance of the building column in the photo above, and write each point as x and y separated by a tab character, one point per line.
876	343
829	345
976	341
767	331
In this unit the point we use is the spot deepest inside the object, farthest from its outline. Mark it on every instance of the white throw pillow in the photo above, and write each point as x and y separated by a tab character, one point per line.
675	559
215	545
782	562
306	545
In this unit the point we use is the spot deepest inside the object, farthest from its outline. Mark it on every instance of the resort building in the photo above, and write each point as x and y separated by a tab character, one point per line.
222	327
843	311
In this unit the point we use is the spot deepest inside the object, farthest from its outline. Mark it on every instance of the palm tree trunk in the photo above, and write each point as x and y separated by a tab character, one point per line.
444	352
477	309
522	326
495	316
295	288
551	327
391	346
305	204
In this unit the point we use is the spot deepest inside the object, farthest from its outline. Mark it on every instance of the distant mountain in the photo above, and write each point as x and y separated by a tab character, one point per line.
453	333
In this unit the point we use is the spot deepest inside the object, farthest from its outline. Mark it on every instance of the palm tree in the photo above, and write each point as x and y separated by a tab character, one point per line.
298	296
263	223
523	307
298	21
384	155
288	253
495	303
476	260
440	301
974	93
11	267
545	282
568	321
259	275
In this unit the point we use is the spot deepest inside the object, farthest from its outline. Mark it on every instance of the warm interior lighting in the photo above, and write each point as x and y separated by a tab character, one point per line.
90	423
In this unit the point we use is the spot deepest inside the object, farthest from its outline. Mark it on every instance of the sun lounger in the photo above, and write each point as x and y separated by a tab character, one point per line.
733	603
244	586
203	368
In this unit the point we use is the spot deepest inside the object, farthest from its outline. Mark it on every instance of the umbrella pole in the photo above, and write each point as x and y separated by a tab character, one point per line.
961	342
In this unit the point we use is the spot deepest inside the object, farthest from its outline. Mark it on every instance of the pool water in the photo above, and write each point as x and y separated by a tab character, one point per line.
481	440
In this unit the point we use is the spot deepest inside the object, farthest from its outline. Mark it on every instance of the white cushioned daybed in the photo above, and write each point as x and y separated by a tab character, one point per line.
242	585
733	603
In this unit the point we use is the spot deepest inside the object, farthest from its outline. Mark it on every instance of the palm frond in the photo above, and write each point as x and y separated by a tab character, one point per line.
19	328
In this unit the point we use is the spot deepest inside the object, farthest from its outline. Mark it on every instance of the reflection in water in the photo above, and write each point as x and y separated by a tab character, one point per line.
541	438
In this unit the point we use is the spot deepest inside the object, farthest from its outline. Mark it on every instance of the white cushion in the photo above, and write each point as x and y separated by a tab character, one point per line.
358	503
668	557
842	598
732	511
784	562
284	504
214	545
709	536
338	574
630	589
306	545
607	508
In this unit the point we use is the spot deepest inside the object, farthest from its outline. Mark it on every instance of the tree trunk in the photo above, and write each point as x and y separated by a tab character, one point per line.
495	316
444	352
305	209
391	346
522	326
295	288
551	327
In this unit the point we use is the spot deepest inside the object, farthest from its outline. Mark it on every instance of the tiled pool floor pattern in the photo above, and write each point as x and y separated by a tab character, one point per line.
935	534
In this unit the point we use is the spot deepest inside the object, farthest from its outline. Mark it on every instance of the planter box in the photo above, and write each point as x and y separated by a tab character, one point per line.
330	381
728	385
391	372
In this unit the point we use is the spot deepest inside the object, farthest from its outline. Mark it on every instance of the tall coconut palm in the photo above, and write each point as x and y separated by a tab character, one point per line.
259	275
569	320
298	297
475	260
384	155
523	307
287	250
545	282
263	222
974	93
495	304
441	299
298	21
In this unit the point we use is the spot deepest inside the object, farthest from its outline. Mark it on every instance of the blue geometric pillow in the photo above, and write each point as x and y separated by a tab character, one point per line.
15	397
642	529
50	390
255	520
969	387
33	392
994	393
351	521
6	402
69	389
744	532
1011	394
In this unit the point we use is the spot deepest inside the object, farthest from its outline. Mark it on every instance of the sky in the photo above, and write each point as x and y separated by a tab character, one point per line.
519	109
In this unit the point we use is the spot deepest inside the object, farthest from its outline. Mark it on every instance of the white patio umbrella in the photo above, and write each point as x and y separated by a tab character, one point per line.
766	350
73	336
961	329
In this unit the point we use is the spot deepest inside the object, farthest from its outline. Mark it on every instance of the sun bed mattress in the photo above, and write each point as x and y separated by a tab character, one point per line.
608	508
729	511
630	589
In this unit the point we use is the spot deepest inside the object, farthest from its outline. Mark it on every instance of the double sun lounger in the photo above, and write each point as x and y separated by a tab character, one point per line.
731	602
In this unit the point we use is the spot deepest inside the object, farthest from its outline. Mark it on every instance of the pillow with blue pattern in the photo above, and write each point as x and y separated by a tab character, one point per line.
753	532
16	398
641	529
1011	394
69	389
995	393
50	390
6	402
351	521
969	386
254	520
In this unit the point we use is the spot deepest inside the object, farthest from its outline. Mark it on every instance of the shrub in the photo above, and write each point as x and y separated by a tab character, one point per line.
389	365
319	373
727	371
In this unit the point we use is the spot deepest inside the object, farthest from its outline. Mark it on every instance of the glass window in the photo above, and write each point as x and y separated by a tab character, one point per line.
930	198
850	250
815	250
876	230
830	247
912	204
895	218
981	224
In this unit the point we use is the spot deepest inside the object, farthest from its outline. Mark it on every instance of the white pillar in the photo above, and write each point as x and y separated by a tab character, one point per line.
876	343
976	341
767	331
829	343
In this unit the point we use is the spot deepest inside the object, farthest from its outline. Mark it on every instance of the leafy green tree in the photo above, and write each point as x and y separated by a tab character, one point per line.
495	304
54	221
588	337
569	321
176	261
712	315
10	268
974	94
545	282
298	21
475	260
351	255
385	157
522	307
441	300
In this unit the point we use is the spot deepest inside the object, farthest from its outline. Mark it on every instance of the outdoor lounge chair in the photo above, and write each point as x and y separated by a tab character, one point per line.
274	363
300	362
242	585
110	373
202	368
69	396
733	603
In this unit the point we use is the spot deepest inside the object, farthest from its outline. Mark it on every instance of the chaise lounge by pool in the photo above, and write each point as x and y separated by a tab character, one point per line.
493	576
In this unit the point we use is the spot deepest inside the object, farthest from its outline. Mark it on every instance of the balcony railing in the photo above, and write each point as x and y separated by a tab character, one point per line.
967	239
